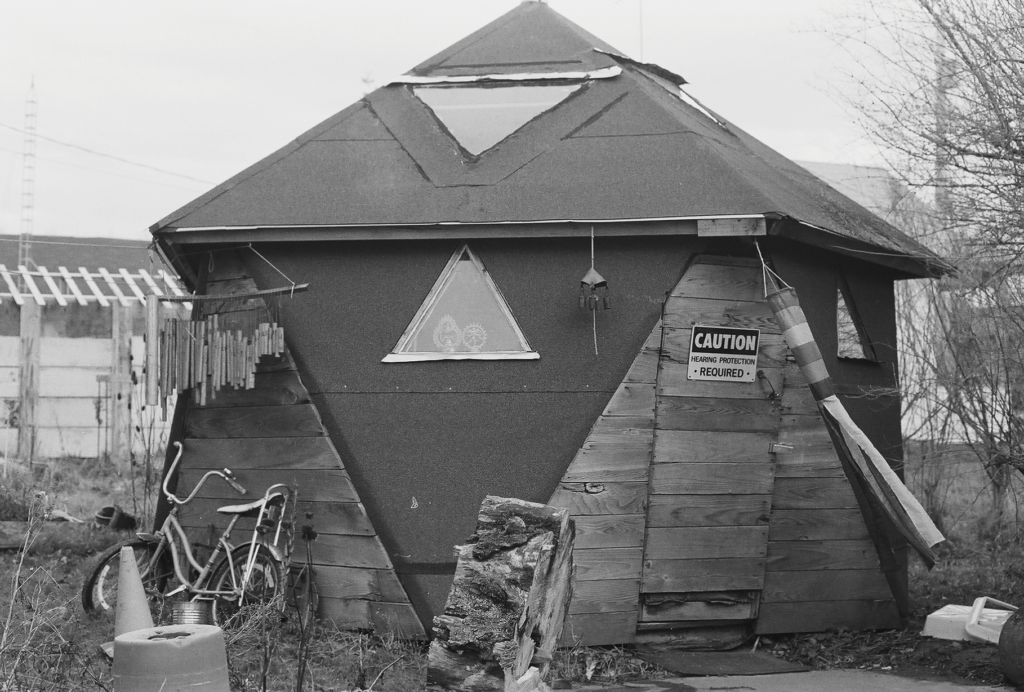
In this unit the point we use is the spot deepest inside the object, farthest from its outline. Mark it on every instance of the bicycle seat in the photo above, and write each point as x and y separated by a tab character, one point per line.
251	509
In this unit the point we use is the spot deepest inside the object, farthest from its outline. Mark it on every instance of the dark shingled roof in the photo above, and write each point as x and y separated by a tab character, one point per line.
626	147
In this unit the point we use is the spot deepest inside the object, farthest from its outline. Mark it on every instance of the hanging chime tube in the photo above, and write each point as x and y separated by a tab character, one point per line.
152	350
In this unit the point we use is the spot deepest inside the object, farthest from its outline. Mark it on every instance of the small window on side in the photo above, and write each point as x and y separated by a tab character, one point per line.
464	317
853	341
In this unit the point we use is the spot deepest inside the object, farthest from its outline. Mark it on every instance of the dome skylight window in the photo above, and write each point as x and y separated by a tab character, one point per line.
479	117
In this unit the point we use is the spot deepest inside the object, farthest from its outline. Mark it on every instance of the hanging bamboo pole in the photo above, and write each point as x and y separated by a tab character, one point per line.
152	349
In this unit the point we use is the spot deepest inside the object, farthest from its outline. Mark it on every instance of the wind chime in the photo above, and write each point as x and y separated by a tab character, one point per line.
218	346
594	291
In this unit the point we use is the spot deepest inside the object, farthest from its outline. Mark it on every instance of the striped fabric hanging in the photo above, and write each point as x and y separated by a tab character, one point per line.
856	450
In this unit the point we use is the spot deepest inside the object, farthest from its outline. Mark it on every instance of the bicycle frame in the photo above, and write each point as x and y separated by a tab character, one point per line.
171	534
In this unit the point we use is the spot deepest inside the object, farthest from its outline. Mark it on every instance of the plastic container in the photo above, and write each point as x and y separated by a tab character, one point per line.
985	624
974	623
179	658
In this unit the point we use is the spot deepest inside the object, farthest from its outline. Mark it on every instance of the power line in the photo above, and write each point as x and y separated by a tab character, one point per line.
101	171
36	241
108	156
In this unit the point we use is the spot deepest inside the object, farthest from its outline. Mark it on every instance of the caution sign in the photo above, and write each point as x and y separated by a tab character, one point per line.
723	354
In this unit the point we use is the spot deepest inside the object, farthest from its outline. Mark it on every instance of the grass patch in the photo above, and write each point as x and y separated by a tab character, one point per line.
51	644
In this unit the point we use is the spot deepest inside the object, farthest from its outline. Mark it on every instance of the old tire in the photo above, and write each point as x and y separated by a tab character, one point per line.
99	593
266	584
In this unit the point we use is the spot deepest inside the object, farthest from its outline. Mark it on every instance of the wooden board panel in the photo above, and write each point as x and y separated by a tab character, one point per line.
712	479
684	313
832	585
612	456
346	613
673	381
631	399
311	485
706	542
609	531
816	524
790	556
700	446
606	596
812	493
698	413
261	453
584	499
599	629
328	549
254	421
708	510
820	616
343	518
719	228
808	462
797	399
697	610
349	551
587	468
399	619
645	368
722	283
633	425
348	582
272	388
804	431
724	574
607	563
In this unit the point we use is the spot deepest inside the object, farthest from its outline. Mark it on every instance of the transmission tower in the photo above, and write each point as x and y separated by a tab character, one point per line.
28	179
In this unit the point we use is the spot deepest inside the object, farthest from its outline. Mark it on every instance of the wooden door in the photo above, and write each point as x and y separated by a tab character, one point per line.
712	474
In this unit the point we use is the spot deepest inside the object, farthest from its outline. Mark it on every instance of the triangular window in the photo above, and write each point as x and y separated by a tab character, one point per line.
464	317
853	341
480	117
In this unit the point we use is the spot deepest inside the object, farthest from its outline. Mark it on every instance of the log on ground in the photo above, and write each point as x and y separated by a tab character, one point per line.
509	599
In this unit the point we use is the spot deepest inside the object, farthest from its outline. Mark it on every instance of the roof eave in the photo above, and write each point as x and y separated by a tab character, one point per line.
926	265
910	266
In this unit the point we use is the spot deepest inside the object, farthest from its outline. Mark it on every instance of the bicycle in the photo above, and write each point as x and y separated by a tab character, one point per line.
233	577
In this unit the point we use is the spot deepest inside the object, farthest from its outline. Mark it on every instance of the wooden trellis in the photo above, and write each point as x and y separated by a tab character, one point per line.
62	286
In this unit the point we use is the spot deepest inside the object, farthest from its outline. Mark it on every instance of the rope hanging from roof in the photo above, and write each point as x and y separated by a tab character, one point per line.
219	346
594	291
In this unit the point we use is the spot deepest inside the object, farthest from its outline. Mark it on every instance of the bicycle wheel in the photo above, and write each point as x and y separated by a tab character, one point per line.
266	583
99	593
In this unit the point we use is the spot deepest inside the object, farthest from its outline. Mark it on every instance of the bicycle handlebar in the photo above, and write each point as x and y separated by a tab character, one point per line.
233	483
174	499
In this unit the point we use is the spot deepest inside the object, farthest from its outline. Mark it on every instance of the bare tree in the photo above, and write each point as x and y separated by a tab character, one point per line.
942	93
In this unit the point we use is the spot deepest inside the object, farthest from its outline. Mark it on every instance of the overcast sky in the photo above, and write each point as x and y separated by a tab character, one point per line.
202	89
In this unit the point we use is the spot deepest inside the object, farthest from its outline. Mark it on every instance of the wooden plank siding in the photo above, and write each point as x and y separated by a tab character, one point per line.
274	434
605	489
822	569
712	474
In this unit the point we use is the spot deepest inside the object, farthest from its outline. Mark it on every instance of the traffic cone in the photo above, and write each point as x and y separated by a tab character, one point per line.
132	607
